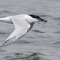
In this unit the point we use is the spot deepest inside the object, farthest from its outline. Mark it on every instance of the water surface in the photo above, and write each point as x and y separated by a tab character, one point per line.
41	43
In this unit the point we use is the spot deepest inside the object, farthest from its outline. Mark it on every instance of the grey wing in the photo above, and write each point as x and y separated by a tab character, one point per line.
20	30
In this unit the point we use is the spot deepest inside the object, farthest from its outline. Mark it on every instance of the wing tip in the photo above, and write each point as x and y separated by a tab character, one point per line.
4	44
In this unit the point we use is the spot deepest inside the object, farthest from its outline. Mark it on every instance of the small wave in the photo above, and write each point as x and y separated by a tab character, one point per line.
58	42
58	32
57	18
38	31
45	15
18	56
25	56
4	11
23	42
33	56
1	32
2	50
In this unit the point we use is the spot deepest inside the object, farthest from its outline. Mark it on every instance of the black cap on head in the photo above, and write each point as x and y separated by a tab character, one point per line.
37	17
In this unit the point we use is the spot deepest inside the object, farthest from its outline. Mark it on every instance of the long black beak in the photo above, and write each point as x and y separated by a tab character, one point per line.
43	20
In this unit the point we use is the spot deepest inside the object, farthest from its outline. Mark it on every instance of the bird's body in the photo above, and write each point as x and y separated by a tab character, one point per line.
23	23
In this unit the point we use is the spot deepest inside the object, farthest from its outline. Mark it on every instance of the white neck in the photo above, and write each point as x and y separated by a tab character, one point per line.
29	19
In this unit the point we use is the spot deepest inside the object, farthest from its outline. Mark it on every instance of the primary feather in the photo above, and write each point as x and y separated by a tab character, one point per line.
23	23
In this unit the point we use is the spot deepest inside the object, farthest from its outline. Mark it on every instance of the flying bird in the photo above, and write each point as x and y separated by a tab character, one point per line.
23	23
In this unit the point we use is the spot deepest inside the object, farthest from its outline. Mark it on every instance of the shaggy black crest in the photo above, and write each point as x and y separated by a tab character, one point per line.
35	16
38	18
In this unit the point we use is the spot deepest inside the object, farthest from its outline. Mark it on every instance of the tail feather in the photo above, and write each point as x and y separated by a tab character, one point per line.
6	19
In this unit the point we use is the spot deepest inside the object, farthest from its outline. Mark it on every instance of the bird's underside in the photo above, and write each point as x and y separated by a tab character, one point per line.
21	28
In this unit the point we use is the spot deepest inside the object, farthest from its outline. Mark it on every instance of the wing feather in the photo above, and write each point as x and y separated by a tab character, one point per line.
20	30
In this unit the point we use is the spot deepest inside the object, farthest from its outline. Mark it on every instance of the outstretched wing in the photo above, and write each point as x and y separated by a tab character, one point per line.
21	27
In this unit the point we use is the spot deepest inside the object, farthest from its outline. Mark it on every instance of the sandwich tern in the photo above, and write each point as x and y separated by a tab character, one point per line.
23	23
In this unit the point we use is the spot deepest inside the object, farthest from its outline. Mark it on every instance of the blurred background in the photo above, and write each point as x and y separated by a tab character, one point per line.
40	43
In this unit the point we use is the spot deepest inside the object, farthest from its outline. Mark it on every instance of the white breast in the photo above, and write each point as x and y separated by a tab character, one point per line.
29	19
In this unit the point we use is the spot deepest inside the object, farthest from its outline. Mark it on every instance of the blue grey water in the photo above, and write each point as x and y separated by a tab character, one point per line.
41	43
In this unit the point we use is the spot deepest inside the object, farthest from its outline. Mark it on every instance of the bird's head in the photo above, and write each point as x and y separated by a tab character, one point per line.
38	18
33	18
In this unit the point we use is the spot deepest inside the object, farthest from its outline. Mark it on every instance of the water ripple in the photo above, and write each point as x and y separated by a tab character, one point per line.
46	16
38	31
5	11
33	56
58	42
57	32
23	42
57	18
1	32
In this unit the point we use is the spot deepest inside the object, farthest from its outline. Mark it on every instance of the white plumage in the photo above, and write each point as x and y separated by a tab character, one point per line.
22	23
